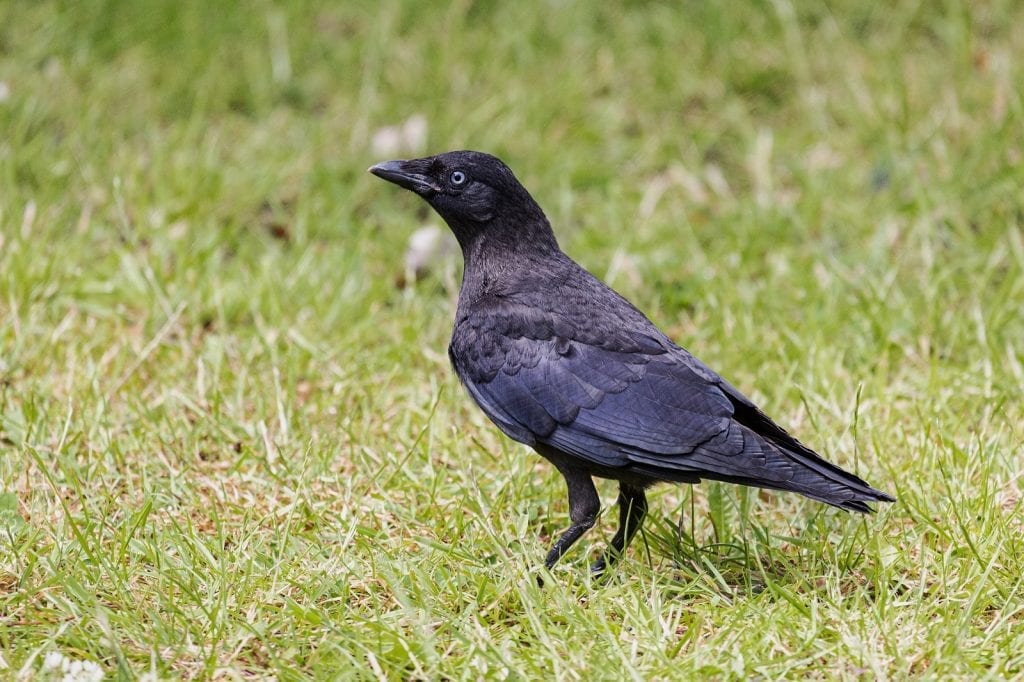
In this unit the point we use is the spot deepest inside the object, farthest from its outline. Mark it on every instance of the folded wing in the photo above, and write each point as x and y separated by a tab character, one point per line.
636	401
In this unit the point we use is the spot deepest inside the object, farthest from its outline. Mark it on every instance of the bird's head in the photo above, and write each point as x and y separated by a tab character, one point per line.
475	193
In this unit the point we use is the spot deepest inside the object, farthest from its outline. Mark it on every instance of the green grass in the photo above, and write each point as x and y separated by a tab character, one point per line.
231	447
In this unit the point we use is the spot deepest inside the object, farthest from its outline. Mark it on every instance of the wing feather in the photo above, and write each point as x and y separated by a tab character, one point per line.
617	393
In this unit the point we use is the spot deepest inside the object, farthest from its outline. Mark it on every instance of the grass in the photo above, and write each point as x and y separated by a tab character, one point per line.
232	447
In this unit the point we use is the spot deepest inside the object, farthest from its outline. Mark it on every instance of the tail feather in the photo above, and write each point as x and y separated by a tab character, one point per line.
822	480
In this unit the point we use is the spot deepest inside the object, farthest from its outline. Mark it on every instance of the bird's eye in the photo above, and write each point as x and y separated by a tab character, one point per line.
458	178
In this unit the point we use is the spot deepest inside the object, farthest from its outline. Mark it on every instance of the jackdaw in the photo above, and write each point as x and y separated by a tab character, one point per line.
561	362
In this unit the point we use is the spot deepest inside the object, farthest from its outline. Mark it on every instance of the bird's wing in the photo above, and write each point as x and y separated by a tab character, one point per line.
615	398
623	396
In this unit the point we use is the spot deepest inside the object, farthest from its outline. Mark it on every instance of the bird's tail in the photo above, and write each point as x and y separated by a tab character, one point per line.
825	482
767	463
809	474
846	492
813	476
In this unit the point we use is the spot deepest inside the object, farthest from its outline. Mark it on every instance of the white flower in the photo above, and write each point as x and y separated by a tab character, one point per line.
410	136
53	661
61	667
83	671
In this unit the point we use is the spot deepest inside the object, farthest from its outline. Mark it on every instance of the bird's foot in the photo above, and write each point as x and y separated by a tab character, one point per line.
600	568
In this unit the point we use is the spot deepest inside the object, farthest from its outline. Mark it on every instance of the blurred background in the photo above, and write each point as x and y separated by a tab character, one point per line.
223	379
214	154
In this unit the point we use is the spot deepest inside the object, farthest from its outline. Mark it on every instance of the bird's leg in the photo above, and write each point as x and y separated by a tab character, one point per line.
632	509
584	505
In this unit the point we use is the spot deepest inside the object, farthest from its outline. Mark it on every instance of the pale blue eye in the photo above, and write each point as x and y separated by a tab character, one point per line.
458	177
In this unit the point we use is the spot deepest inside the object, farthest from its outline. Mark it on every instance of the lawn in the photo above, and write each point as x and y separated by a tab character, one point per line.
231	444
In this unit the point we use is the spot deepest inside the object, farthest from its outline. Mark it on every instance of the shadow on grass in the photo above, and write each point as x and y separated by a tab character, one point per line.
821	553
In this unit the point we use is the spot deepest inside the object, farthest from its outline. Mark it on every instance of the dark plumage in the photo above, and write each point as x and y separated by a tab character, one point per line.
564	364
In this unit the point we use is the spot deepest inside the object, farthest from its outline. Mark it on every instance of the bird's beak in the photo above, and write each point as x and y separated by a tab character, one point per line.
404	174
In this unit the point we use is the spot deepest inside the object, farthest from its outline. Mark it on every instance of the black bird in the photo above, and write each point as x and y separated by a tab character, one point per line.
564	364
